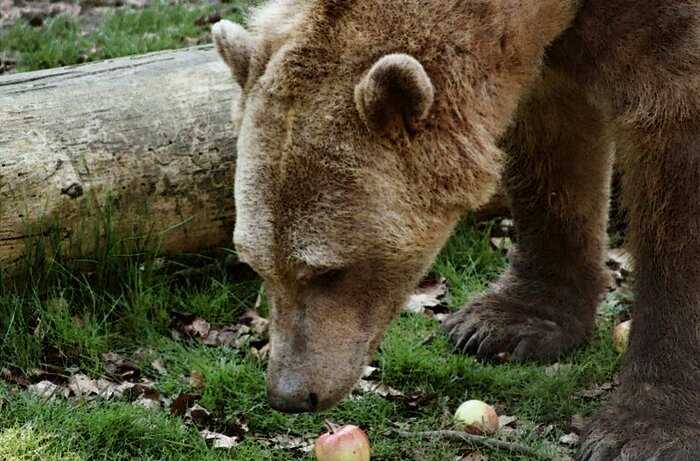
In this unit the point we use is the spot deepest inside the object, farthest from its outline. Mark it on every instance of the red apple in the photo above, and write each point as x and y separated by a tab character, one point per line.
476	416
347	443
621	336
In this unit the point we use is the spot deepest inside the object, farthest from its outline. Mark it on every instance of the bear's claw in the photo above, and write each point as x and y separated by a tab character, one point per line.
632	434
494	325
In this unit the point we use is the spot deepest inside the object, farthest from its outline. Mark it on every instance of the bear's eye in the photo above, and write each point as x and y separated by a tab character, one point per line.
329	277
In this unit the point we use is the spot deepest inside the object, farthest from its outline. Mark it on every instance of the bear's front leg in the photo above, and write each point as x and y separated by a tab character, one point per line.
655	414
557	178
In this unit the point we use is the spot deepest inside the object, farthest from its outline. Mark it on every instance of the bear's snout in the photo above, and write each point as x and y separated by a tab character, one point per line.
289	393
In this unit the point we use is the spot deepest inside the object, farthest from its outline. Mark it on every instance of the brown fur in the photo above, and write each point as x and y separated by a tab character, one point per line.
557	177
354	167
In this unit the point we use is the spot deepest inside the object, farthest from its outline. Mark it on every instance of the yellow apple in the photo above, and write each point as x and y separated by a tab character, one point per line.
476	416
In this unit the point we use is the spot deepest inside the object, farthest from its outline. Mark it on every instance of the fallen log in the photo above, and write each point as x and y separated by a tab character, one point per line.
143	141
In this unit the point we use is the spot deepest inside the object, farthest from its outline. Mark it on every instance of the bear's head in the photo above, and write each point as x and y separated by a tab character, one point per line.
365	130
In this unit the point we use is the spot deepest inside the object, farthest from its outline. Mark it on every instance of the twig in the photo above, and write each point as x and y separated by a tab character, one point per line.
470	438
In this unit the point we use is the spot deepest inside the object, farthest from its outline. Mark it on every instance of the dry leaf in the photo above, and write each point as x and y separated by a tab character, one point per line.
504	244
158	366
8	64
368	372
124	390
219	440
505	421
259	325
415	400
199	327
235	428
148	391
261	354
120	368
182	402
147	403
81	385
431	295
14	376
6	8
199	415
70	9
197	380
291	442
251	330
570	440
149	396
382	390
55	375
45	390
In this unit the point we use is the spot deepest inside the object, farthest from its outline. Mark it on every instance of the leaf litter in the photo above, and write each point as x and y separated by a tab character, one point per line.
124	380
250	332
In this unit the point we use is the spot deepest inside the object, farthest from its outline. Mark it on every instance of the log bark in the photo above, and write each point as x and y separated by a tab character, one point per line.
144	139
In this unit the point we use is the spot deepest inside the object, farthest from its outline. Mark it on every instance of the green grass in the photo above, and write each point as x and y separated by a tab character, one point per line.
83	316
66	40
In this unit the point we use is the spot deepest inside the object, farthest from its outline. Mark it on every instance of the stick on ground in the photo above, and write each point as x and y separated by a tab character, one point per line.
472	439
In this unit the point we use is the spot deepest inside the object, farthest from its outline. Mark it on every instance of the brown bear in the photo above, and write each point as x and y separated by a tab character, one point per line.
368	127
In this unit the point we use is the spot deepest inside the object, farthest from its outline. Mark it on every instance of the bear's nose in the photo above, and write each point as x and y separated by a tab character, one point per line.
291	396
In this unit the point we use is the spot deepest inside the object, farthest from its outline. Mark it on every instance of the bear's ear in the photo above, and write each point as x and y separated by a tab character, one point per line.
395	95
235	46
